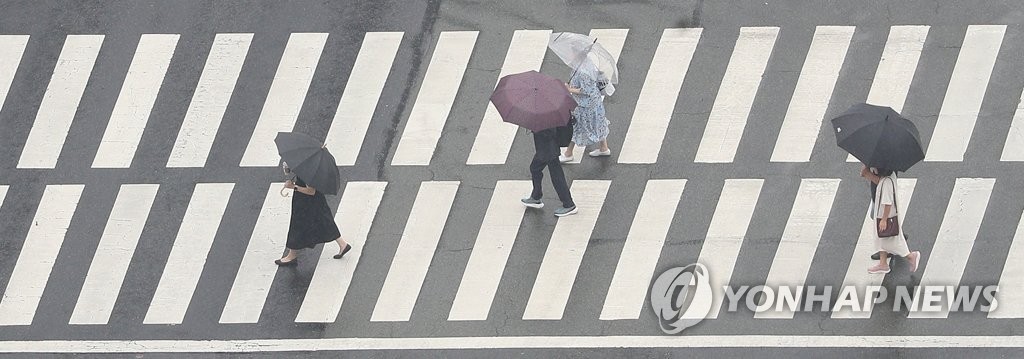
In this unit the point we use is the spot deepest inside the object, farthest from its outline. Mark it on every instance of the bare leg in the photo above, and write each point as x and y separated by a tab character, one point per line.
604	145
290	256
341	244
568	150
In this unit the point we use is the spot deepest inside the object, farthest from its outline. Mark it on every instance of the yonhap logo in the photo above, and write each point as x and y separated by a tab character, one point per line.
681	297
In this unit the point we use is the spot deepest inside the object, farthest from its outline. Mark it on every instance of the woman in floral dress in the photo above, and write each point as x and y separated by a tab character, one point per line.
591	124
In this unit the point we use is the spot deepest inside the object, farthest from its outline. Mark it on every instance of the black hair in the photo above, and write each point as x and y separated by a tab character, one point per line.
884	172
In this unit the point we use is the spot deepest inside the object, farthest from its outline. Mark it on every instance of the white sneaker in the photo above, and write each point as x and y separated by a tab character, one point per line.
599	153
563	159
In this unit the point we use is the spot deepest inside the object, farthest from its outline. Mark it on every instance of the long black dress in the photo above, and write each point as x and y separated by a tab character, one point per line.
312	222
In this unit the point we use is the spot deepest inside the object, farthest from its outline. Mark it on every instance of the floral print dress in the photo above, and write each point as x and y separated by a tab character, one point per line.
591	124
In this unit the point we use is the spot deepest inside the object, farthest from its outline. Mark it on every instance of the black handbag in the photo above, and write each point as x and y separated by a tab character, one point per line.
892	225
563	134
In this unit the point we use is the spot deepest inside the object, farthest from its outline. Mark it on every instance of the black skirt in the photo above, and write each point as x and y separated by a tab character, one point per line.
312	222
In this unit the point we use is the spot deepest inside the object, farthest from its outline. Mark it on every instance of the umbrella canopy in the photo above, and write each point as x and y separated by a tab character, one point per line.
533	100
879	137
578	49
309	160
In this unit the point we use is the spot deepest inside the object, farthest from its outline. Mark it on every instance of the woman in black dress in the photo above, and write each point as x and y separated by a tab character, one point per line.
311	223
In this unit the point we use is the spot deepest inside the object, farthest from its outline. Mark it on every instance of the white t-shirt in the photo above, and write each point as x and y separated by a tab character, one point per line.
884	195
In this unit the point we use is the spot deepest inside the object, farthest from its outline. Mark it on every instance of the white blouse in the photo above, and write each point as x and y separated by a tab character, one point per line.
884	195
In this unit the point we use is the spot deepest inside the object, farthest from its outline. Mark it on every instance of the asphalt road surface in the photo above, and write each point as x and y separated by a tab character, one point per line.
139	188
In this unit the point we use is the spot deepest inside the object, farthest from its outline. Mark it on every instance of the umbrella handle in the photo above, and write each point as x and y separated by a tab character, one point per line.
283	193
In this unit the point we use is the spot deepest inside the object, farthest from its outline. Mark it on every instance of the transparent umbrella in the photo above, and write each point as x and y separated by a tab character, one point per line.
577	50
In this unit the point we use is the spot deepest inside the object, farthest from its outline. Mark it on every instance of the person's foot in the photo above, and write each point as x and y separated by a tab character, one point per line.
564	158
878	269
877	255
532	203
562	212
348	247
914	257
286	263
600	153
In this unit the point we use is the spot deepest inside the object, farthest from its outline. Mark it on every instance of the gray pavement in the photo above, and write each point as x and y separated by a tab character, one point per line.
271	22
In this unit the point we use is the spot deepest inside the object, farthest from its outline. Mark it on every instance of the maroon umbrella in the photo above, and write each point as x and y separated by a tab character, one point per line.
533	100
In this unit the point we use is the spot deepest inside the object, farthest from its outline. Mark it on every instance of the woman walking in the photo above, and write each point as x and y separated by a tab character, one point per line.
311	223
885	207
591	124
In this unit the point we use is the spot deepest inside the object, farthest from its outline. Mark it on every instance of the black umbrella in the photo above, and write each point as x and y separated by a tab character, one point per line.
879	137
309	160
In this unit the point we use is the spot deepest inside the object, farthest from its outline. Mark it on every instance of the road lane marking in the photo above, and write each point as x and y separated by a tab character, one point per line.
60	103
953	244
640	253
1013	149
657	100
565	251
286	96
726	233
415	251
519	342
257	270
114	253
210	100
327	289
494	140
362	92
135	102
799	241
813	91
857	273
729	114
189	253
435	98
38	254
962	103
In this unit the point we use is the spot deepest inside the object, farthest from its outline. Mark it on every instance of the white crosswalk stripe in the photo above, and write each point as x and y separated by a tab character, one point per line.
736	95
647	235
946	263
210	101
135	103
966	91
435	99
726	234
493	246
415	251
60	103
643	140
116	248
565	251
12	48
362	92
812	94
332	278
256	273
189	254
286	96
1011	293
799	242
39	253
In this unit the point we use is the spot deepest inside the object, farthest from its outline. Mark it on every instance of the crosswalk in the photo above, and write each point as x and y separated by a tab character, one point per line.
730	232
725	131
738	207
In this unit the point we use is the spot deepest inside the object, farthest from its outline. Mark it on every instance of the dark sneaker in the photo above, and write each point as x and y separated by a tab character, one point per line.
562	212
532	203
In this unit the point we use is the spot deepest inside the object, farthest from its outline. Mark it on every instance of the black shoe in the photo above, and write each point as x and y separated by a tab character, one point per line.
876	256
348	247
286	264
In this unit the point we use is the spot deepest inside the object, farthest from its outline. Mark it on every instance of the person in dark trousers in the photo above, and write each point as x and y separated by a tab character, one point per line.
546	144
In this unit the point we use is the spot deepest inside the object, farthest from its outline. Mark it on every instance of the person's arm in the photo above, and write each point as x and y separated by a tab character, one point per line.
306	190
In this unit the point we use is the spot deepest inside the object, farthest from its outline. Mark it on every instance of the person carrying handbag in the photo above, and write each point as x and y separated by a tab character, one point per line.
889	237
